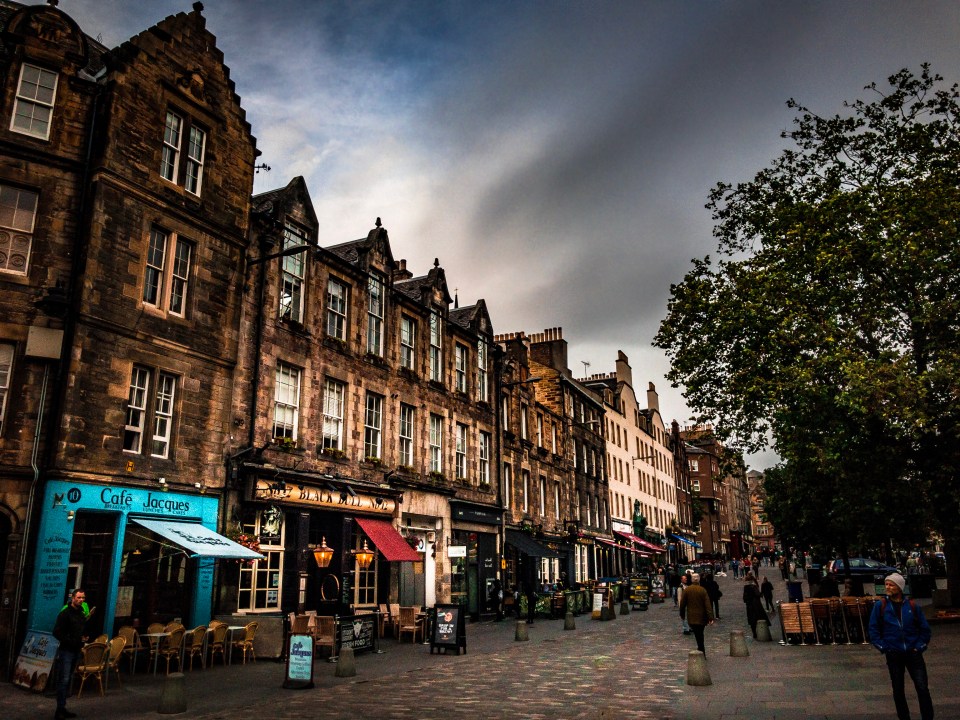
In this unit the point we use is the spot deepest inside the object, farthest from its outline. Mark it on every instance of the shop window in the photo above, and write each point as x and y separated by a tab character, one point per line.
6	372
166	277
336	309
292	275
286	402
33	107
147	385
333	392
178	164
261	582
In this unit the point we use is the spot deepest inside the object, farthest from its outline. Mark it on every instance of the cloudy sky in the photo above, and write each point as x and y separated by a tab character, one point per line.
555	156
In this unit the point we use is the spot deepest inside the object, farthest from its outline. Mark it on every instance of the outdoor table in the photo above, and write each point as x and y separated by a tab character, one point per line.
231	629
156	655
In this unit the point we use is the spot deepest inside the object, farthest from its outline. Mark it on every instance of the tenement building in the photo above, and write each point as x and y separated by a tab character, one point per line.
364	425
125	181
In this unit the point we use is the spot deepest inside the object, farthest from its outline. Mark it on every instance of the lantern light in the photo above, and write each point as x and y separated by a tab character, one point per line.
323	554
364	556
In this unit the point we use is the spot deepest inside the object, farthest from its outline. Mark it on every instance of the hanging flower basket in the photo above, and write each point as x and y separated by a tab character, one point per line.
251	542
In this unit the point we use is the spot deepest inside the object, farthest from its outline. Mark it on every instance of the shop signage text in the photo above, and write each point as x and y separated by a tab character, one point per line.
322	497
119	499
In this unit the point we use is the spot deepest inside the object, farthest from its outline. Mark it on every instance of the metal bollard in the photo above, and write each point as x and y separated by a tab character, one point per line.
173	698
738	645
568	622
763	631
522	634
625	607
697	672
346	663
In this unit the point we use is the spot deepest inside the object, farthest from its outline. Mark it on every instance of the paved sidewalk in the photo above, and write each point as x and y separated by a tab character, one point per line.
632	667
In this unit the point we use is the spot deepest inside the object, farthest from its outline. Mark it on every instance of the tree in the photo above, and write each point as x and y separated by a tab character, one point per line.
830	322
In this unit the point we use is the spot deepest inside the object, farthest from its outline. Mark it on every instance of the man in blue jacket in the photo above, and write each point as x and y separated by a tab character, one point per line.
900	631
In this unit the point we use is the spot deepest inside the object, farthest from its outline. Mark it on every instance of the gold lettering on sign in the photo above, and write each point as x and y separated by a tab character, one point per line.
314	496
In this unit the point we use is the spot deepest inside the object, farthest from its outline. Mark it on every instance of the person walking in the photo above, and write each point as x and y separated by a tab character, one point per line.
684	625
899	630
696	610
713	592
496	598
673	582
766	591
751	598
69	631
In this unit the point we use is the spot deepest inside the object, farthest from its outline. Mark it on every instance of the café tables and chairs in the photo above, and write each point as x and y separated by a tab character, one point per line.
395	619
93	661
299	624
133	646
218	642
386	619
102	639
410	623
171	646
195	645
115	650
245	645
325	634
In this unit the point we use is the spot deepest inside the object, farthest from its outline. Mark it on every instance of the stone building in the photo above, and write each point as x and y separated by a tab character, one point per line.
764	534
125	178
365	422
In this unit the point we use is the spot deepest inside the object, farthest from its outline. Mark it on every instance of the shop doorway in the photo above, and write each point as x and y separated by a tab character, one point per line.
91	557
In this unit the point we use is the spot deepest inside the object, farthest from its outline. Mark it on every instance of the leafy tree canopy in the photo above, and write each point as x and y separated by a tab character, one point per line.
829	321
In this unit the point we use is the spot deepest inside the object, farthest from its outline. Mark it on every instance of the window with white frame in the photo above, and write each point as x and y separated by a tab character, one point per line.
6	373
177	166
543	496
525	490
461	451
436	347
286	402
505	412
408	340
407	424
484	457
373	427
166	277
18	212
507	484
539	429
375	315
436	443
261	582
33	107
460	363
524	410
333	394
292	275
336	309
553	426
694	465
556	500
483	389
364	579
161	387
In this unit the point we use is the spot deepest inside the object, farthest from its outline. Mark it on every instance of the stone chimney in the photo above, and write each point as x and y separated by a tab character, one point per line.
624	373
550	349
653	399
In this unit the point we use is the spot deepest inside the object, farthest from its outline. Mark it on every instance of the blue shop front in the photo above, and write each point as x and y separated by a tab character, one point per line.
141	555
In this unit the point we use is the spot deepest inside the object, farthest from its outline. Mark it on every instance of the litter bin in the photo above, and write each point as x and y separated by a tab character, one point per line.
795	591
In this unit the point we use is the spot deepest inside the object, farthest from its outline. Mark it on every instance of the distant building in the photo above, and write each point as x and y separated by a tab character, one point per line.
763	531
709	485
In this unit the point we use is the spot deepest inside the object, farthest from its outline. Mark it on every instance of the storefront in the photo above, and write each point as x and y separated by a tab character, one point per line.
475	560
142	555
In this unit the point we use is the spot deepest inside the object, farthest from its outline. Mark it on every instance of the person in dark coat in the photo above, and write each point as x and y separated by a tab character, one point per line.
496	598
696	610
828	587
766	590
713	592
751	598
69	630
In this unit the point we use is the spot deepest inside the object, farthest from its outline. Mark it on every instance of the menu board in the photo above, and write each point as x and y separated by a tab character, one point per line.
299	675
448	629
35	662
358	632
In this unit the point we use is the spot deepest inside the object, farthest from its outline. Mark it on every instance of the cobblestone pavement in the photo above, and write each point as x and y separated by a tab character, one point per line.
632	667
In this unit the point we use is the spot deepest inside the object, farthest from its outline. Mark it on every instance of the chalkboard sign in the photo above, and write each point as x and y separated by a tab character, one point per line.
299	674
358	632
448	629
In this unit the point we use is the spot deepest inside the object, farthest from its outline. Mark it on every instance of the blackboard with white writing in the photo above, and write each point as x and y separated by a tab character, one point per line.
448	629
357	631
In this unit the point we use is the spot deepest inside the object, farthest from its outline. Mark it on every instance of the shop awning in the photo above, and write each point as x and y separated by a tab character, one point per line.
389	542
198	540
640	541
527	545
682	539
619	546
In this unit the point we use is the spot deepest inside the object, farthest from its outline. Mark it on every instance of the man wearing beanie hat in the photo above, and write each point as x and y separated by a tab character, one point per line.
900	631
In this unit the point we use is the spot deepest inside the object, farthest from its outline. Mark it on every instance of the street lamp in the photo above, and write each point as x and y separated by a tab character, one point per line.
364	556
323	554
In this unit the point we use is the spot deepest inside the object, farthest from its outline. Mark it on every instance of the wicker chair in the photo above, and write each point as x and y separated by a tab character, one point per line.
246	644
195	646
115	648
170	646
133	645
102	639
93	660
218	642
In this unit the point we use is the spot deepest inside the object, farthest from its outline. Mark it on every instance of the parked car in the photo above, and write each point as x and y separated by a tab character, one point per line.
861	567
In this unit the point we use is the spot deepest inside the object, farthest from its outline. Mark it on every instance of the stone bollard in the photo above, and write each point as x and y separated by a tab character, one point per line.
738	645
606	613
346	663
173	699
625	607
568	622
697	672
522	633
763	631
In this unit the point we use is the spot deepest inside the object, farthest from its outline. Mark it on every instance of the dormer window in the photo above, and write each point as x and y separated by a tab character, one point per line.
33	108
179	165
375	316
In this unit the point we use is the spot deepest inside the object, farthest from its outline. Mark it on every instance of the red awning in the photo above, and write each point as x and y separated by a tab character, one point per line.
388	540
616	545
639	541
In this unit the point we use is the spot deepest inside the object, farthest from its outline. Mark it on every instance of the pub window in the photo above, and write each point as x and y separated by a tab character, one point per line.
33	107
261	582
18	212
365	580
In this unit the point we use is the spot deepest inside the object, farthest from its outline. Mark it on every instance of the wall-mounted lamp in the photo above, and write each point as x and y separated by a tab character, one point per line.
163	484
323	554
364	556
70	515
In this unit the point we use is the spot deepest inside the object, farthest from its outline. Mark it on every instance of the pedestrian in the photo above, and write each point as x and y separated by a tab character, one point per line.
751	598
713	592
899	630
766	591
784	570
684	625
496	598
696	610
673	581
69	630
531	602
